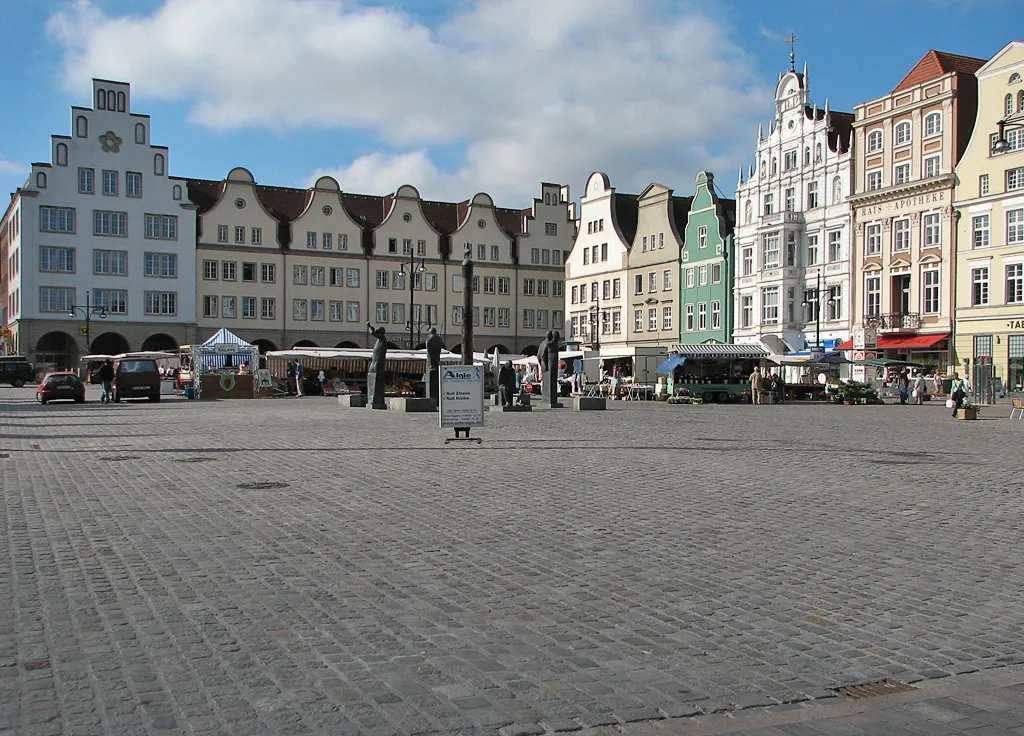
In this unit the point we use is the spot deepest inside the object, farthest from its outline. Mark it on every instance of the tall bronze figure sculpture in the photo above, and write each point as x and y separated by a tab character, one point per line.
433	345
375	376
547	355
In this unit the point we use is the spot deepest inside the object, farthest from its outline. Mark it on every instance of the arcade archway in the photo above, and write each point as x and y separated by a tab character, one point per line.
56	351
109	343
160	342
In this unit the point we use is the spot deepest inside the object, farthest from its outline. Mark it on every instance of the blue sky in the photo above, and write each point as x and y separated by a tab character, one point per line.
460	96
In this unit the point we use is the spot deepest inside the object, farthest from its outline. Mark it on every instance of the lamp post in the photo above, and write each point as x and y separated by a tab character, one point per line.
416	266
88	309
815	297
1016	120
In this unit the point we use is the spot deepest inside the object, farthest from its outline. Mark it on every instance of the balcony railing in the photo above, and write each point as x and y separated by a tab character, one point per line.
894	321
779	218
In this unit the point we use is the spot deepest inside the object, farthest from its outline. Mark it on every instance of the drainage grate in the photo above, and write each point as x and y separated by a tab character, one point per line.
194	460
874	689
262	485
120	458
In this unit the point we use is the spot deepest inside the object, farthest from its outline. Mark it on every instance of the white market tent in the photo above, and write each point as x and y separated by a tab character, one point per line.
214	352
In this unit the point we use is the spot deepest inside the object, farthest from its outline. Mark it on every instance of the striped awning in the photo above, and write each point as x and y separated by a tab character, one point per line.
751	351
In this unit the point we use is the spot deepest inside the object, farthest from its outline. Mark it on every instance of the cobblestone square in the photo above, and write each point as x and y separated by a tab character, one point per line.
289	567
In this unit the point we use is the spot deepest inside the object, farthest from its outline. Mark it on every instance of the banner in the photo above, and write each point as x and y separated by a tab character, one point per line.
462	396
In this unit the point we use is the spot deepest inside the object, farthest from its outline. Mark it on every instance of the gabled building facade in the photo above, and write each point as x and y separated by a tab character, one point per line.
908	144
706	276
652	280
101	228
793	234
990	220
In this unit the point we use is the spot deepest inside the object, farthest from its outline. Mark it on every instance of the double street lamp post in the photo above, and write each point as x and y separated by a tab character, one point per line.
813	296
416	268
88	309
1014	121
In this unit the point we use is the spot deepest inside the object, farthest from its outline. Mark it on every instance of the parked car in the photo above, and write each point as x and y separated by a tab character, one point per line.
61	386
16	370
136	378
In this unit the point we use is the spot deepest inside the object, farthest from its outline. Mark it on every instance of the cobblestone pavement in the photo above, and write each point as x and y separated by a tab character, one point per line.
577	570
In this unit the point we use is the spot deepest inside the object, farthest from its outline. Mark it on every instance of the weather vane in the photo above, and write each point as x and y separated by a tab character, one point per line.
791	39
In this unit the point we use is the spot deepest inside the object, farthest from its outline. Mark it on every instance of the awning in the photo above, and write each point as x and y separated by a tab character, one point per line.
720	350
902	341
669	365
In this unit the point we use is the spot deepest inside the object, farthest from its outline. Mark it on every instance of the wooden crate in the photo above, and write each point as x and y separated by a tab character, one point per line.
967	412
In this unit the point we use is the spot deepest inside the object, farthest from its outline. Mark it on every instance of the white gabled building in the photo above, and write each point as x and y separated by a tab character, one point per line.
794	230
102	226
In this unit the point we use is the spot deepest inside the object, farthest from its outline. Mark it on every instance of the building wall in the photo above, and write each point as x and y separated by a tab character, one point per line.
822	170
652	284
706	261
990	322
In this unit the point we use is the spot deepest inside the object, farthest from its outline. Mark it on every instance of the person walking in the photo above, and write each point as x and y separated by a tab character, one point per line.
780	388
755	385
298	378
321	378
904	384
106	376
957	392
919	388
289	378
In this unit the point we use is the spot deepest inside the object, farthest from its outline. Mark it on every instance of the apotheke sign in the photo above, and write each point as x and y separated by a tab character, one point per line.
462	396
906	203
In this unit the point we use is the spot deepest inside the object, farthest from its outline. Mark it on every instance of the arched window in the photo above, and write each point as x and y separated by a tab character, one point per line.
874	141
101	99
807	156
817	152
140	133
932	124
111	100
1008	104
1020	101
41	180
62	154
81	127
775	166
121	101
158	164
764	168
1014	78
901	134
837	190
748	213
547	198
177	192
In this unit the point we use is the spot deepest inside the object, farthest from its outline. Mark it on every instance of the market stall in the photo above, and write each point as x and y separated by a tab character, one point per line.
714	371
222	367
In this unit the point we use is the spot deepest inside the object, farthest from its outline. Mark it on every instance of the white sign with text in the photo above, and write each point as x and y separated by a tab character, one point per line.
462	396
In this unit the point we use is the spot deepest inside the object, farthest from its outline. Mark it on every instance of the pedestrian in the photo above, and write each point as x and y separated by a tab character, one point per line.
957	392
919	388
298	378
755	385
106	376
937	382
290	378
904	384
321	378
780	388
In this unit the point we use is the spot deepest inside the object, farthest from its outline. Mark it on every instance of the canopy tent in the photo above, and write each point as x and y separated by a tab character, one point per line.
829	359
886	362
221	346
357	360
716	349
670	364
153	354
532	360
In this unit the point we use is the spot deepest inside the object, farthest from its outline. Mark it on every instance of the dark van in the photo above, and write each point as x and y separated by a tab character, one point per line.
16	370
136	378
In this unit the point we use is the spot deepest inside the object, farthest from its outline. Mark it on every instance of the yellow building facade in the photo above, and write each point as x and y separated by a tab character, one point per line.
989	200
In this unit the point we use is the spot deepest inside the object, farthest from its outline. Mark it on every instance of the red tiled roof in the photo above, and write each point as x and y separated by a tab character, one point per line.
936	63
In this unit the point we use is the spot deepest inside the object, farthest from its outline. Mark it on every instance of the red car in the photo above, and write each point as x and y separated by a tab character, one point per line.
61	385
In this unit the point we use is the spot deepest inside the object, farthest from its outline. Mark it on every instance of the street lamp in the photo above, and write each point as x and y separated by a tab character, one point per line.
88	310
416	267
814	296
1016	120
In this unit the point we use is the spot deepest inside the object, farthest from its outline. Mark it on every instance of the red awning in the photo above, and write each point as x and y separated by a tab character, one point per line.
902	341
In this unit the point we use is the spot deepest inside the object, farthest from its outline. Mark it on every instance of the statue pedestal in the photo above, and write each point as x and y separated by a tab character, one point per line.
549	405
352	401
589	403
410	404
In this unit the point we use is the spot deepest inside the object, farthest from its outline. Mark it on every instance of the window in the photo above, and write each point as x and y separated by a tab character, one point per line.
1015	179
1008	104
616	322
807	156
1015	226
337	276
689	318
770	250
57	219
62	154
790	199
352	311
747	311
980	229
812	195
382	311
874	141
504	316
901	174
228	271
930	298
542	318
702	236
702	276
110	183
528	318
268	273
652	281
342	241
586	256
542	286
874	239
983	185
490	284
593	291
248	307
268	308
638	285
161	303
979	286
140	133
211	270
239	235
791	248
162	265
557	287
158	164
575	295
335	310
382	279
504	285
86	182
316	310
748	260
901	134
835	246
496	253
606	289
300	275
932	124
666	280
932	166
1015	283
874	181
775	166
716	273
81	127
222	233
56	260
716	315
352	277
835	303
652	319
161	227
931	232
227	307
769	204
56	299
790	161
604	251
873	292
457	283
901	235
398	280
113	263
689	278
528	287
133	185
257	236
550	228
249	272
535	255
770	305
210	306
661	240
702	316
638	320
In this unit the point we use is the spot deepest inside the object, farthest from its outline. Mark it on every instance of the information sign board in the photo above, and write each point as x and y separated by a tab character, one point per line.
462	396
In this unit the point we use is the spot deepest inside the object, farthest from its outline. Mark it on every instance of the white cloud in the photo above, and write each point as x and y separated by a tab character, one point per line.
11	167
524	90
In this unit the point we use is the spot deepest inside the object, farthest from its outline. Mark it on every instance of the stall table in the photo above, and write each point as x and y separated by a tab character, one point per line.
227	386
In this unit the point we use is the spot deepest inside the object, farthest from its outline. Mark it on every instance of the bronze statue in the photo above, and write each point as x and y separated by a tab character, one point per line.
506	383
547	356
433	345
375	376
